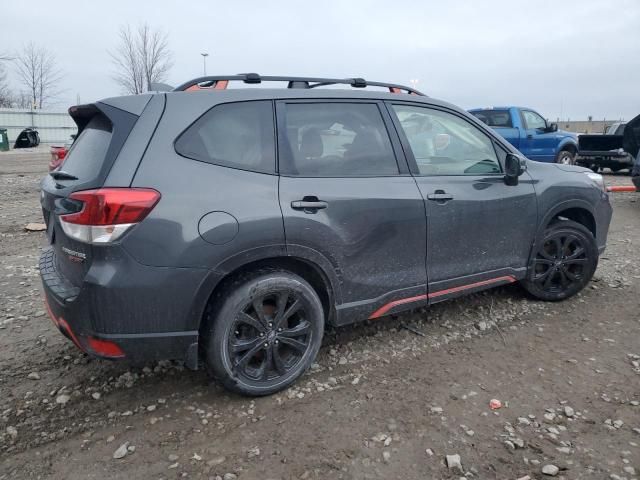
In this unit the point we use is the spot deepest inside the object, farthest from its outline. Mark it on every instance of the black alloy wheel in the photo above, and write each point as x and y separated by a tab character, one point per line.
560	262
270	336
563	262
265	330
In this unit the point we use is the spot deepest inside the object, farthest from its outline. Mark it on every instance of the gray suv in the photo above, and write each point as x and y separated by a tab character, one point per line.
229	226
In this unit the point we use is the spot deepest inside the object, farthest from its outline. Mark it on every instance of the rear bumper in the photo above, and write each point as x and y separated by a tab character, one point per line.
149	313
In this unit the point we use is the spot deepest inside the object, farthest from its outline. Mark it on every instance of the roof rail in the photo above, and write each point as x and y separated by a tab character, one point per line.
220	82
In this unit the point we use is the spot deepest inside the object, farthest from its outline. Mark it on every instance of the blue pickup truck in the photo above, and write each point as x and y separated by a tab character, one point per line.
530	133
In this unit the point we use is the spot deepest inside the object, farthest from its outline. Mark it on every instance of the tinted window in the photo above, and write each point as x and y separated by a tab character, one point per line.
494	118
533	120
88	152
239	135
615	129
337	139
445	144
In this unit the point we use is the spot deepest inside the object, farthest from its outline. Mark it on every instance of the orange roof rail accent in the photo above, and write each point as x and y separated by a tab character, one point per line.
220	82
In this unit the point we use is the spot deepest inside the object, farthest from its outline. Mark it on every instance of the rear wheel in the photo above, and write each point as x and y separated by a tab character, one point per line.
264	333
566	157
564	262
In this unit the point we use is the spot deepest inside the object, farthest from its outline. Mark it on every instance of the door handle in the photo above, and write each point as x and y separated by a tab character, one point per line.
530	136
440	196
309	205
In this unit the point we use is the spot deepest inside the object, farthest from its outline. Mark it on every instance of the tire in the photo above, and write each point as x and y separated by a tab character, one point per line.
566	157
595	168
563	263
264	331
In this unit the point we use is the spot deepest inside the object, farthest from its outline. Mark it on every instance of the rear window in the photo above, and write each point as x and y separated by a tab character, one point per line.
237	135
88	152
494	118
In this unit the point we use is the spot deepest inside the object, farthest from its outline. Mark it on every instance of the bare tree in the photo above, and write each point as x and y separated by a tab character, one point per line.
37	70
5	92
142	58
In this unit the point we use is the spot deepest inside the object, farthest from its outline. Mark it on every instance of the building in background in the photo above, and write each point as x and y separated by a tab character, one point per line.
586	126
53	127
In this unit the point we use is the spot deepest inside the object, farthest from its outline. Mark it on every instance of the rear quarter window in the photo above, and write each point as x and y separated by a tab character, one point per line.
237	135
88	152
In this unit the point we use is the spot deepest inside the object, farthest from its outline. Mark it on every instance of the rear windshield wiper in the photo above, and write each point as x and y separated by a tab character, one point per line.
60	175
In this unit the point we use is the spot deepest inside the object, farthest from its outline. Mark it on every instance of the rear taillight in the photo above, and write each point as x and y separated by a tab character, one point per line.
107	213
58	155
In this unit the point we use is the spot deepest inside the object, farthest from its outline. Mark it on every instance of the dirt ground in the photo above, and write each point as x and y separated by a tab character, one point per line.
382	401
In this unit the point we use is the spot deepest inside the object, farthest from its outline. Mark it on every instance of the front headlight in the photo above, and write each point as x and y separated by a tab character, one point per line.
597	179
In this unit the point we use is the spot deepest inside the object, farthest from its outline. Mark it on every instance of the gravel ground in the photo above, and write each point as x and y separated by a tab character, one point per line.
402	397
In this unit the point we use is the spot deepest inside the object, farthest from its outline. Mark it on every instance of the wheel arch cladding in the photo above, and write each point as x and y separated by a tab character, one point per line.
579	215
310	272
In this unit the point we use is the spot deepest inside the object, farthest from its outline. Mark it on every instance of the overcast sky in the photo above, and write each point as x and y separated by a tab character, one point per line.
569	58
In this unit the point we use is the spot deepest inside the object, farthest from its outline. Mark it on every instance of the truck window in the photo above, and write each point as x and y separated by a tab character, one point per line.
494	118
532	120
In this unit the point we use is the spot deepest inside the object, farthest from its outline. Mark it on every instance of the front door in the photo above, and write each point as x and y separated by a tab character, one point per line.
538	144
479	230
346	195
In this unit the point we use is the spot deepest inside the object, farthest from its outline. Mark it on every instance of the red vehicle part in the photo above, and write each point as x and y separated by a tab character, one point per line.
57	157
621	188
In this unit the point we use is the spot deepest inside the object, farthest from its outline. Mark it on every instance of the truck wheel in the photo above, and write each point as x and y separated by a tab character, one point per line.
264	332
563	263
566	157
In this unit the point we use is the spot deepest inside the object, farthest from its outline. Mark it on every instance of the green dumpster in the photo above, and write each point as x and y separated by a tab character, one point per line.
4	140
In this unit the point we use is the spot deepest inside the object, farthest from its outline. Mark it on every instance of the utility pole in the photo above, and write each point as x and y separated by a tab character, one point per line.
204	63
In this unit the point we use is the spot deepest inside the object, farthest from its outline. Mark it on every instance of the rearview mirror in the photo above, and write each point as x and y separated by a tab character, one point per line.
514	166
552	127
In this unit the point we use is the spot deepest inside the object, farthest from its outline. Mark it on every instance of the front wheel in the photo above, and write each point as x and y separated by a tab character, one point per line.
265	331
563	263
566	157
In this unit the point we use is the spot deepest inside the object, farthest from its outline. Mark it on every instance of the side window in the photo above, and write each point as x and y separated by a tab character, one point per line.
336	140
238	135
445	144
533	120
494	118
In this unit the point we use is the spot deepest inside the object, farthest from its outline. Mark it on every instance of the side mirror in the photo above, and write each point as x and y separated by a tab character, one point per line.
552	127
514	166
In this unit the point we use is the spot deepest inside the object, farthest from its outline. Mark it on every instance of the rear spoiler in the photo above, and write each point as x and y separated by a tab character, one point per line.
82	114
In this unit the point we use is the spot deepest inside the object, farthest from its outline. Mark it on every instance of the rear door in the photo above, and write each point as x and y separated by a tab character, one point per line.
346	194
479	230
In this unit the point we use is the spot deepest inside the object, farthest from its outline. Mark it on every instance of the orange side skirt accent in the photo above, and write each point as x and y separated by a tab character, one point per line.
385	308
